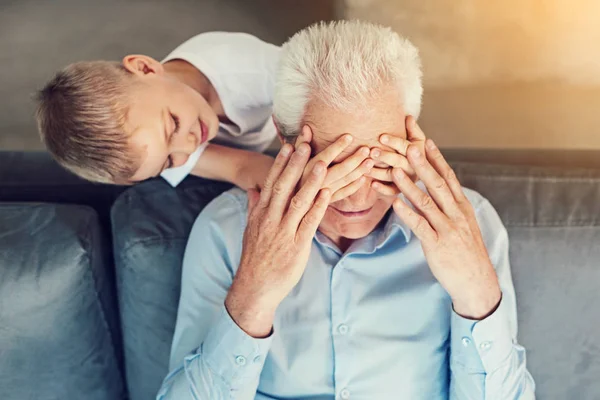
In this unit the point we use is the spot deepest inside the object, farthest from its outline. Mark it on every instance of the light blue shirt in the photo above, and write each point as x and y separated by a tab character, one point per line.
371	323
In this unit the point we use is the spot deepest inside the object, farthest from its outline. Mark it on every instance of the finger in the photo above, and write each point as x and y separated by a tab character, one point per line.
278	166
436	185
395	142
390	158
310	223
385	189
381	174
441	166
385	174
335	149
253	198
346	167
417	223
363	169
304	199
286	183
348	190
413	130
421	200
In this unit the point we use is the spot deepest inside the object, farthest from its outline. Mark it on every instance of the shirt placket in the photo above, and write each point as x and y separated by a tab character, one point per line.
341	330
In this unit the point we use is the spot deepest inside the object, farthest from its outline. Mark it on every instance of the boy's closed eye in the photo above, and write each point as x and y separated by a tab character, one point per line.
174	130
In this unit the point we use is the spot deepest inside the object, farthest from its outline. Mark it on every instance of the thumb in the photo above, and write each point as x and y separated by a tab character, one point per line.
253	197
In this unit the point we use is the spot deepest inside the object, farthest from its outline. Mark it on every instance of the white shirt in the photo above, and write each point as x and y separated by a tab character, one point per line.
242	70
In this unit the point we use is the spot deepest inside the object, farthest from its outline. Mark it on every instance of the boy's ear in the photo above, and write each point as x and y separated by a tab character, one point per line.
142	65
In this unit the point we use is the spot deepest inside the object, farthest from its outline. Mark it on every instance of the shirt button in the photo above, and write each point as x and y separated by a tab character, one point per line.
240	360
343	329
485	345
345	394
466	341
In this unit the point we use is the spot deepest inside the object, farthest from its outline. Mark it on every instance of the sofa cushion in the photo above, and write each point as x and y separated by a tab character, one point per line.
57	306
553	221
151	224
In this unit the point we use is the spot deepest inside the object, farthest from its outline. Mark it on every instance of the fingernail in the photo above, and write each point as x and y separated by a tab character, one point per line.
285	150
318	168
384	139
348	138
369	164
413	123
375	153
416	153
398	173
303	149
364	151
430	144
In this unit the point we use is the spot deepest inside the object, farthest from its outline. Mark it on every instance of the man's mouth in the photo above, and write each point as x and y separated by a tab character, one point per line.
353	213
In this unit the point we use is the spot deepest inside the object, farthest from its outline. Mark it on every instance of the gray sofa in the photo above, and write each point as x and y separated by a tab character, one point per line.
90	274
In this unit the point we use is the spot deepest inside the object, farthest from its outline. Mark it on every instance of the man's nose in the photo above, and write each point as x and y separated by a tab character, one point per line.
363	194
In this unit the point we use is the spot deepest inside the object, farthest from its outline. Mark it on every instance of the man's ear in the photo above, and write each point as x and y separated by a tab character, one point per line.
304	136
142	65
278	129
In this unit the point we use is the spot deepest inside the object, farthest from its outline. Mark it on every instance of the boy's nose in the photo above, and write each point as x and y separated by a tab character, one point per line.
185	144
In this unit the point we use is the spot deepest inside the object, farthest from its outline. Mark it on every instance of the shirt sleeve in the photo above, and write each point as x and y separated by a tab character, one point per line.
486	362
211	356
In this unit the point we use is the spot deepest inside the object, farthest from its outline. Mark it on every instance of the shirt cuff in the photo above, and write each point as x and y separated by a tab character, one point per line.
233	354
175	175
481	346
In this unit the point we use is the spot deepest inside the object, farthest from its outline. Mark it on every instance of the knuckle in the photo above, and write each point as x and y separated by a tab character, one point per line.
310	219
297	203
425	202
268	183
440	185
278	188
451	175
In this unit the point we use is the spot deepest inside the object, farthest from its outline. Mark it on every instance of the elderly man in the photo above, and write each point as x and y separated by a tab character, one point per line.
344	278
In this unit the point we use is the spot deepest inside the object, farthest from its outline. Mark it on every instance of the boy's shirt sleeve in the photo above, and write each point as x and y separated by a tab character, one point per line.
175	175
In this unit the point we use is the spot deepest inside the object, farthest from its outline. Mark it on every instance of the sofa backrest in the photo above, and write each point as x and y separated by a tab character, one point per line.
553	221
552	216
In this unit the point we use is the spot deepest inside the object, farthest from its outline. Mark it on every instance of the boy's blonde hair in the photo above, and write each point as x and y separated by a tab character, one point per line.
81	115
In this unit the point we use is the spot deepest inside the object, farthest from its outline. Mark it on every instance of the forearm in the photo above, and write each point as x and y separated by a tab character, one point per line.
222	163
252	311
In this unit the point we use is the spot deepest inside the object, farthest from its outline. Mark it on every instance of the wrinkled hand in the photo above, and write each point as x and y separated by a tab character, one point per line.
281	225
446	225
383	179
347	177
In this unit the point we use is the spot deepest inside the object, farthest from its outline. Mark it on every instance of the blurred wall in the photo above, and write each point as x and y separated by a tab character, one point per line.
509	74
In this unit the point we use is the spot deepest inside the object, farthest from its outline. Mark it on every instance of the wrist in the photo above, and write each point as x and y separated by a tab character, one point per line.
252	311
478	306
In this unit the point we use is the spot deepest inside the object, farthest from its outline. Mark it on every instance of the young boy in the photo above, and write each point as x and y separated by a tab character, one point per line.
125	122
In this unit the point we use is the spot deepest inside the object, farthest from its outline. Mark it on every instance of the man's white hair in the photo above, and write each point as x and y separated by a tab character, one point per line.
344	64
